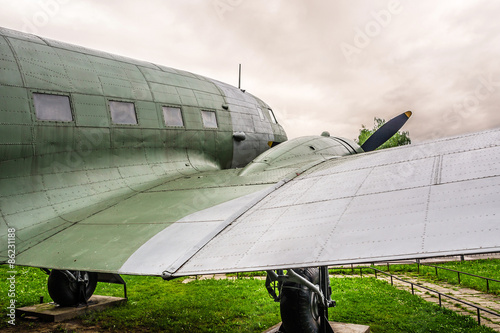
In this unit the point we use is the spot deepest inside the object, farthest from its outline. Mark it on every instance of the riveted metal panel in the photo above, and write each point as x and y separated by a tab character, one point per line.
36	233
155	76
165	94
21	35
445	200
63	253
16	137
465	212
187	97
192	117
147	115
121	79
41	66
90	110
90	139
84	78
243	107
54	139
10	71
164	249
136	62
117	88
457	166
151	138
76	48
126	137
14	134
176	71
207	100
14	108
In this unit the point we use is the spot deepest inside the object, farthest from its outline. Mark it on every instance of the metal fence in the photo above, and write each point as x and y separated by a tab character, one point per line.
440	295
458	274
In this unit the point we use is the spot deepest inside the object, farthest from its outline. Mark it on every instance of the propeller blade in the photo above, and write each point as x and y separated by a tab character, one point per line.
385	132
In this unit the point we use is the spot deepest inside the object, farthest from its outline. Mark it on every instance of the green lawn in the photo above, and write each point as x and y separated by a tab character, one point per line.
243	305
485	267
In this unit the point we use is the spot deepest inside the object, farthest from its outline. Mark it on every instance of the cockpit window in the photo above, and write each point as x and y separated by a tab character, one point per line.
52	107
273	118
173	116
123	113
261	115
209	119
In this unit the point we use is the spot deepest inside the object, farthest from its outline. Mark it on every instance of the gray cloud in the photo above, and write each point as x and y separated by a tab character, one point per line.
438	59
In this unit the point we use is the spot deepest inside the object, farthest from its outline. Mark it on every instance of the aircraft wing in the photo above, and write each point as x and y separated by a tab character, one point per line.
416	201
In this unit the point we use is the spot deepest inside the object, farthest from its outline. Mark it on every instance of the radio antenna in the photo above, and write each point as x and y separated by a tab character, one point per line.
239	77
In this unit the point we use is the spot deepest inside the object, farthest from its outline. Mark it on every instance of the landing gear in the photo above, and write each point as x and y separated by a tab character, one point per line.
71	288
304	296
299	305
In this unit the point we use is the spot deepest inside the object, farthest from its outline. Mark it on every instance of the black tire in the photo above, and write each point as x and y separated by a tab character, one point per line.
298	305
66	293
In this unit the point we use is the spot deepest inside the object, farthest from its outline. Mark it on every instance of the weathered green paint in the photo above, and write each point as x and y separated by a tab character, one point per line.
86	194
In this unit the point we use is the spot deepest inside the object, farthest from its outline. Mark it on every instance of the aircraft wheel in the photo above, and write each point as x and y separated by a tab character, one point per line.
299	305
66	292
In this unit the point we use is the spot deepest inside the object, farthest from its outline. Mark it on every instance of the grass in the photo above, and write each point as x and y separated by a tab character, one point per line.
484	267
242	306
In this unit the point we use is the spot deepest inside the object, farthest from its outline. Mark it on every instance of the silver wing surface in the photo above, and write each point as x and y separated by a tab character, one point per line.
296	205
418	201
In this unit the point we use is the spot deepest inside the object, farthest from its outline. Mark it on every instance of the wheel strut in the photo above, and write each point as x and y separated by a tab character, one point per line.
324	284
304	296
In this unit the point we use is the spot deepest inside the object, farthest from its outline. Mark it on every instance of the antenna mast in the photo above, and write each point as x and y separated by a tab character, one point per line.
239	77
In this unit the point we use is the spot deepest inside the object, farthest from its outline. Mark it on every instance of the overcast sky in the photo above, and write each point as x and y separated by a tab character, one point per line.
321	65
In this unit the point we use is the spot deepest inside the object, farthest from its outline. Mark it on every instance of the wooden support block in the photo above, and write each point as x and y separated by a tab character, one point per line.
50	312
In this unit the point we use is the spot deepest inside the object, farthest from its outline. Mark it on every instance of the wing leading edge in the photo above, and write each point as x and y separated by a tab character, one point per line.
153	224
431	199
299	204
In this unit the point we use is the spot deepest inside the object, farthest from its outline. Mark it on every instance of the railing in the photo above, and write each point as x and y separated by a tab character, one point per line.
458	274
413	285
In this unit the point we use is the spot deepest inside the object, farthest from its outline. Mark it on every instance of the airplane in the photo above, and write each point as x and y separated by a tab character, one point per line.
110	165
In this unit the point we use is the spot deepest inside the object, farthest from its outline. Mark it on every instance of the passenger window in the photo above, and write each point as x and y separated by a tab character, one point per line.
273	118
122	113
261	115
52	107
172	116
209	119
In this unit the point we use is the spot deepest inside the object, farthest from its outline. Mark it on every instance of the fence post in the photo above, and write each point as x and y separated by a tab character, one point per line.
439	299
412	291
478	317
436	271
487	285
391	281
458	277
361	271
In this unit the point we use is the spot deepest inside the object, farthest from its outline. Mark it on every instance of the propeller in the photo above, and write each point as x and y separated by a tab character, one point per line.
385	132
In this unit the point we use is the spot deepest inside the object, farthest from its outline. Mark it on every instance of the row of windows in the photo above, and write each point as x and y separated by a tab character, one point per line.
57	108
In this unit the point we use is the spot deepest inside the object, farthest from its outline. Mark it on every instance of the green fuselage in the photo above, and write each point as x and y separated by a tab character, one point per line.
92	80
100	153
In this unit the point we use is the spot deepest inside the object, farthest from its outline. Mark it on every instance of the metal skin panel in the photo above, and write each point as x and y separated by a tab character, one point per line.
162	251
52	172
153	212
244	115
10	71
418	201
147	199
